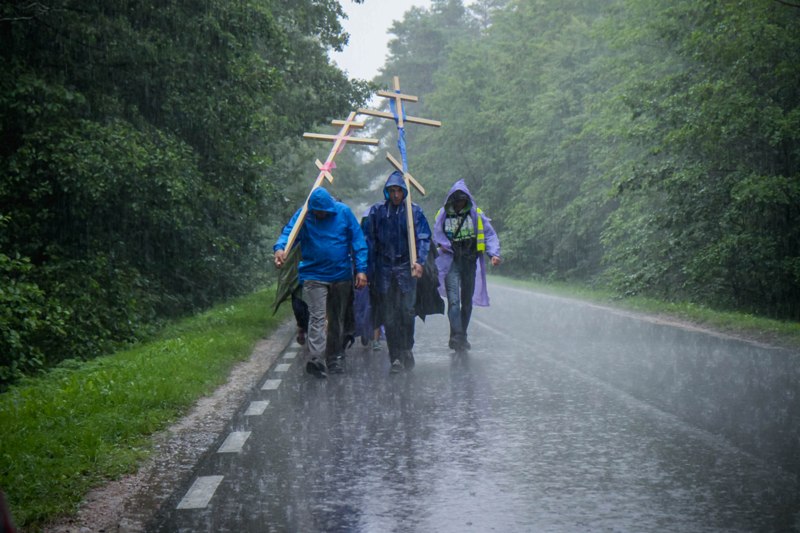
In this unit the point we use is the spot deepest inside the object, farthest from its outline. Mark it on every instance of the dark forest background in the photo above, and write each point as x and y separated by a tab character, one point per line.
151	151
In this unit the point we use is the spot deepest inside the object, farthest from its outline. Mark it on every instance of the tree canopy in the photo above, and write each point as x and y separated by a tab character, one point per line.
150	153
146	149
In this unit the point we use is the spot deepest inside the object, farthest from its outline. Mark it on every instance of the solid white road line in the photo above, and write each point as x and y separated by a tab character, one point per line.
200	493
234	442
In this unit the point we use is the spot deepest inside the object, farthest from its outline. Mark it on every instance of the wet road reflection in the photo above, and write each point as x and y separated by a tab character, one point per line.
561	418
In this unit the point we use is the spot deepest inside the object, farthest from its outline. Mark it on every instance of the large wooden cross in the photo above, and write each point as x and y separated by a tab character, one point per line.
399	99
409	179
339	140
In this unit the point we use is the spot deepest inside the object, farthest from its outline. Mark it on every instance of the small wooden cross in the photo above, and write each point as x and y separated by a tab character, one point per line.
409	179
339	140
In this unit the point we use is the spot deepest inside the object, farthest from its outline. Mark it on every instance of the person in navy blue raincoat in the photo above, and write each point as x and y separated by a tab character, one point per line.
331	244
395	278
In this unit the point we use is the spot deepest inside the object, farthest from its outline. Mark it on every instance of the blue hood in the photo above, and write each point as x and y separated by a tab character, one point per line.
321	200
395	179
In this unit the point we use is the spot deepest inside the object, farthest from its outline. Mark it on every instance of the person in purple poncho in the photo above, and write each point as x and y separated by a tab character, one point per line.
463	236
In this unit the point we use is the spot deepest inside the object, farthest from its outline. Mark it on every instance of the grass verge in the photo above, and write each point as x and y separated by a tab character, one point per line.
85	423
785	334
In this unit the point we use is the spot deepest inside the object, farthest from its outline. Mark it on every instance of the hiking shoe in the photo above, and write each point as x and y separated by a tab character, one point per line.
349	340
316	368
376	346
336	365
397	366
408	360
459	344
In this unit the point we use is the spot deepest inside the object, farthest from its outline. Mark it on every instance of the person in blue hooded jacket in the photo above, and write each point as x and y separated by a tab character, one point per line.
331	244
394	276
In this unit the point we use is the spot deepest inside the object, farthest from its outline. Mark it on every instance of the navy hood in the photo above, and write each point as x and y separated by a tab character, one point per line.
321	200
395	179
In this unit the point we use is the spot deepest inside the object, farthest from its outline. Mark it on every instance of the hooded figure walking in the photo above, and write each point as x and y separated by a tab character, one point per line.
395	277
331	243
463	236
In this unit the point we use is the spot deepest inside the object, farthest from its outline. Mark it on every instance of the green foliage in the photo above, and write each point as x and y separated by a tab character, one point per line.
143	149
650	146
85	423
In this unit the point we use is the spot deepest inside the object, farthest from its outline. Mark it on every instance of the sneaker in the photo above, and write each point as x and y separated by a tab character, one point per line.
336	365
397	366
301	336
408	360
465	345
453	344
376	346
316	368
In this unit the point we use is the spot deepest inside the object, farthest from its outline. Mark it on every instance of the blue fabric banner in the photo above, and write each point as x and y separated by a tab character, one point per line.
401	133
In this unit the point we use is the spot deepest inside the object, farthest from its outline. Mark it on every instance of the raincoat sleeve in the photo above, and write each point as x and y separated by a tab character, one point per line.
440	239
490	236
360	251
280	244
423	231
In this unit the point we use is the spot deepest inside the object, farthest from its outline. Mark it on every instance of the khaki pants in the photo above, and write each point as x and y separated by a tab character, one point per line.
326	302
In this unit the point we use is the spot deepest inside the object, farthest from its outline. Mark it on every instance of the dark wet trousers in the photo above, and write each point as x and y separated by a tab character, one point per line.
398	318
299	308
459	285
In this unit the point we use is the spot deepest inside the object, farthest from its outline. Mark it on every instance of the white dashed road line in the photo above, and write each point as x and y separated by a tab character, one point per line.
204	487
200	492
271	384
234	442
257	408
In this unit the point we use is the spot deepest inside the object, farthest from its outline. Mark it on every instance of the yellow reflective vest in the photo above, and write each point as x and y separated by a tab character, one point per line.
481	238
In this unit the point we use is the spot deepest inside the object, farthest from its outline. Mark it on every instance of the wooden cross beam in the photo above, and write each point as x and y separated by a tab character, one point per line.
409	179
399	98
339	140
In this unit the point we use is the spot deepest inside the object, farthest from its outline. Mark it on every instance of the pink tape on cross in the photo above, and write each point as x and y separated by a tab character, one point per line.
327	167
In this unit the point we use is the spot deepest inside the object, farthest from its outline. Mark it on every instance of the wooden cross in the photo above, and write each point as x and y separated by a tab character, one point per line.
399	98
409	179
339	140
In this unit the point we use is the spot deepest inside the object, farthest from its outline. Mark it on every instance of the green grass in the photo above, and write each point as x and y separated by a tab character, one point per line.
85	423
780	333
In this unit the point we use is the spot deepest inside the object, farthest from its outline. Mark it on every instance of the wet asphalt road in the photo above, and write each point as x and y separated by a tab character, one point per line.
554	421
